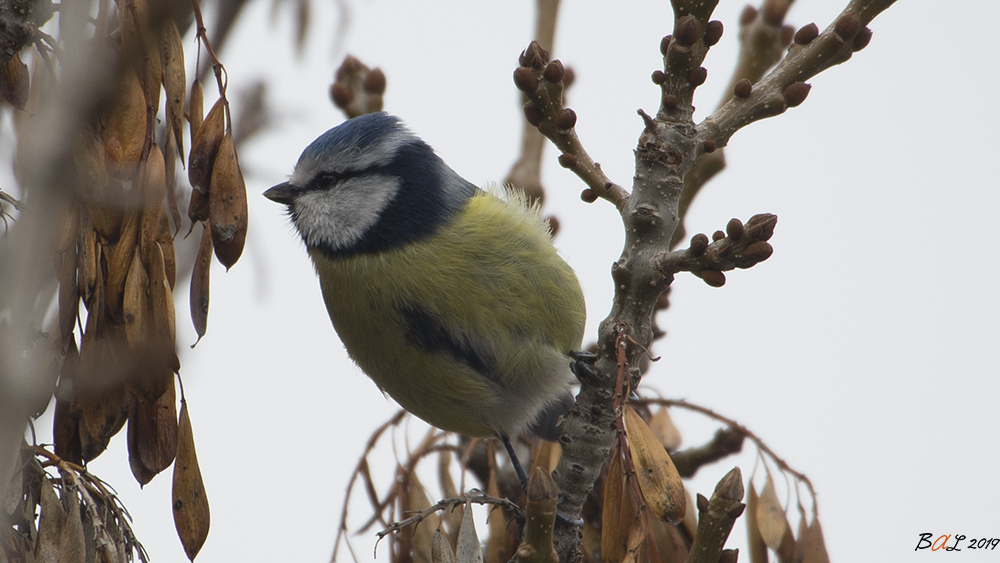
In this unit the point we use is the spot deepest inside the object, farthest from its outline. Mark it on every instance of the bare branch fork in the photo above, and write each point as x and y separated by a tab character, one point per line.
668	149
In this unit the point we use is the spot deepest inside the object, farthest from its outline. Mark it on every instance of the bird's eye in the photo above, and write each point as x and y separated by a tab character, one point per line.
326	179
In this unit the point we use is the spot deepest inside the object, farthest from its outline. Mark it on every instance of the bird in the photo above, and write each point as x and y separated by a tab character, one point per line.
450	297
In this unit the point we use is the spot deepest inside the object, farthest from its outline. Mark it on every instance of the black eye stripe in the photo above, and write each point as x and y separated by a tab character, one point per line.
324	180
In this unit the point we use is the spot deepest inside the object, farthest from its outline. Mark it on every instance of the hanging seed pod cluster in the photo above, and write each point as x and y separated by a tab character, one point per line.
115	251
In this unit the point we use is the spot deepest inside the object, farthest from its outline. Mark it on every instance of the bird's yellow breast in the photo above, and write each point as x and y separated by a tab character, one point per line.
489	279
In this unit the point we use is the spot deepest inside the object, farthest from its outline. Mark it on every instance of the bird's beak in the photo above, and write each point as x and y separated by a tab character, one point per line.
282	193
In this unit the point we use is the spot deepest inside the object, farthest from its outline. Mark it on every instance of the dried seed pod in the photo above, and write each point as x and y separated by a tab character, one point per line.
615	523
125	130
204	149
69	295
66	421
415	499
90	173
50	523
161	299
228	205
468	547
169	146
174	80
205	146
191	512
196	108
200	285
770	515
152	435
121	262
441	551
664	429
14	82
88	263
154	188
135	304
659	481
104	408
166	244
140	46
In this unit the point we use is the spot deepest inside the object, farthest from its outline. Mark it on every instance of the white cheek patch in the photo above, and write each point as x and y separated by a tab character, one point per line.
337	218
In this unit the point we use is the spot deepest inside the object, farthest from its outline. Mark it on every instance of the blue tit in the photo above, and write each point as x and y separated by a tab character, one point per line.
451	298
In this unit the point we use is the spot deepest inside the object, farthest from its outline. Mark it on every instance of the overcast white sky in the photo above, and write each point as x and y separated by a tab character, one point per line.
864	351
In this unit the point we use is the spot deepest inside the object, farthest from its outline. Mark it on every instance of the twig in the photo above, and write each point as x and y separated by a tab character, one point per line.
477	497
781	463
202	33
785	86
543	82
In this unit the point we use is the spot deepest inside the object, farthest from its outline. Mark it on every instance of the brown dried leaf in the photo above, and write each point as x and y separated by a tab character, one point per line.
14	82
125	130
200	285
771	516
228	204
121	262
468	548
191	513
204	146
665	430
72	545
174	81
659	481
50	524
